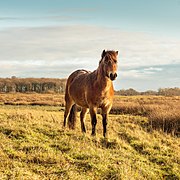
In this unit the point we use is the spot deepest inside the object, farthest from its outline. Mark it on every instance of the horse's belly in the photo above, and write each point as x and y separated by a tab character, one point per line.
79	102
78	94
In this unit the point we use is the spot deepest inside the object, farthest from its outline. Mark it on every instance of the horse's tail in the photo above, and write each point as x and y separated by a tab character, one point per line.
72	117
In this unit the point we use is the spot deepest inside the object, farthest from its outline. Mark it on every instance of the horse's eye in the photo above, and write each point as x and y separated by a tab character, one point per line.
115	61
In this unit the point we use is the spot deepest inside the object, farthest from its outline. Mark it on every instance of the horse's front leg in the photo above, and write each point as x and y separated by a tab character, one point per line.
93	120
104	122
105	112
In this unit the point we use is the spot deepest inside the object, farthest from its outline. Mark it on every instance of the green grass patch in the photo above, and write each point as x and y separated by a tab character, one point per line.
35	146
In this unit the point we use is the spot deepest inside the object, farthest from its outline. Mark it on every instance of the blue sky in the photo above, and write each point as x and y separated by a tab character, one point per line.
43	38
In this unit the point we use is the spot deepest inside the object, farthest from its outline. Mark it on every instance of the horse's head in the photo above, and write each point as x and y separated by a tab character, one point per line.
109	64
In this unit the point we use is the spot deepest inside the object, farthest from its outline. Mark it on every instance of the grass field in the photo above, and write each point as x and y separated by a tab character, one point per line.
35	146
162	112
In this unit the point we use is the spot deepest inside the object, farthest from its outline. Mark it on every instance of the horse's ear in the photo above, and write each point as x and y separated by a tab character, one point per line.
117	52
103	53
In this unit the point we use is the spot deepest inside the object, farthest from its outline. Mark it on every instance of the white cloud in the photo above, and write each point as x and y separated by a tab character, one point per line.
86	41
70	42
153	69
132	74
57	51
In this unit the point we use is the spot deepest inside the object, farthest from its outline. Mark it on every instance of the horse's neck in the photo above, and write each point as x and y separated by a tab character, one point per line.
103	82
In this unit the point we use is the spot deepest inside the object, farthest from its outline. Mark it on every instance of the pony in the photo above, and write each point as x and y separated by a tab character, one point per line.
91	90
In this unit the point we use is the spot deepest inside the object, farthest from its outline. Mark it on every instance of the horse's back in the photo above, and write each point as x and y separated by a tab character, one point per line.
76	75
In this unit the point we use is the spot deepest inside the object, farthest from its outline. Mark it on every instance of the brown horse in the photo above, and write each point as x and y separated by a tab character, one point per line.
91	90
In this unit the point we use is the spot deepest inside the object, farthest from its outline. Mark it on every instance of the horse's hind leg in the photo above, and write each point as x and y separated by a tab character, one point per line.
68	107
82	118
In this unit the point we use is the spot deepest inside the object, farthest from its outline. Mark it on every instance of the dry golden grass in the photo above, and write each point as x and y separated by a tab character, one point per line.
32	99
35	146
163	112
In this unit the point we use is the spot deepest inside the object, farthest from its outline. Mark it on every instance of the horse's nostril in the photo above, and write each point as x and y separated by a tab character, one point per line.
113	76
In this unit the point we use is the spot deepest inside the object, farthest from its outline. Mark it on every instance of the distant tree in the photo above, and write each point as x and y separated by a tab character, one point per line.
169	91
149	92
39	85
128	92
161	91
13	77
55	85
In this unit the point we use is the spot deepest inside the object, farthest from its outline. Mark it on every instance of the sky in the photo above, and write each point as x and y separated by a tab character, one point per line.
52	38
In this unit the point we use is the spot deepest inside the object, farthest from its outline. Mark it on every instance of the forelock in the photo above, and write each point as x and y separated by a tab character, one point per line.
111	54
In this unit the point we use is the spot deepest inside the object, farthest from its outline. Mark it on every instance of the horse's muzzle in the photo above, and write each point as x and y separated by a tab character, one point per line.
113	76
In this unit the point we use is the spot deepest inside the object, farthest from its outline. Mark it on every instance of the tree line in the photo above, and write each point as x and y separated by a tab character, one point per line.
55	85
38	85
161	92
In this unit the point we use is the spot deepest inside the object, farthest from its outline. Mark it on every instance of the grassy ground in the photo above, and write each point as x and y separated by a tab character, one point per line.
162	112
34	145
